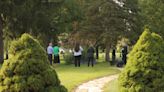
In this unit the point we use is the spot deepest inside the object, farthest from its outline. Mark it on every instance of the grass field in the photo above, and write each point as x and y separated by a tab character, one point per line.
111	86
71	76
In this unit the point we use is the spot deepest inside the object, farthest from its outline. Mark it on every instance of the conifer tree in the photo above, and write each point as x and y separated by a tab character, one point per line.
28	69
145	66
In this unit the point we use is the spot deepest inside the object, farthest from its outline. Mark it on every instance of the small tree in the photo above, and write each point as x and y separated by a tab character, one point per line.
145	67
28	69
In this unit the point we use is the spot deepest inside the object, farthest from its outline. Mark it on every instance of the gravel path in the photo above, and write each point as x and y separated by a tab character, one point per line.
95	85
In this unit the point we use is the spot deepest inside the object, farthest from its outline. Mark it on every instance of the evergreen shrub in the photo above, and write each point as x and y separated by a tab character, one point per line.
144	71
28	70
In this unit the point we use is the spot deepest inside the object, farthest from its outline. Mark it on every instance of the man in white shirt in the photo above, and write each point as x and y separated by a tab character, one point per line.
50	52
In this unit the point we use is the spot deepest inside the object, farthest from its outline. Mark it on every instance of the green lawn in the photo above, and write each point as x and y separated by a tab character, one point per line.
111	86
71	76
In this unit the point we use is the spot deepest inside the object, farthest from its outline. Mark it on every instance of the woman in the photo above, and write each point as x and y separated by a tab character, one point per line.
77	54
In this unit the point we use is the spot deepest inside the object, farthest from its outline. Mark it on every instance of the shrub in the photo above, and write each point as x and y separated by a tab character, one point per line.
68	58
28	70
145	66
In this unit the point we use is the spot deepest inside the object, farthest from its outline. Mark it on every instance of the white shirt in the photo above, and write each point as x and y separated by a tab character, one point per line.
49	50
79	52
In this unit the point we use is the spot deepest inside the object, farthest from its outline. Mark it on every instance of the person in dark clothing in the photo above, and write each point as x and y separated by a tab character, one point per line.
7	54
90	54
124	54
113	56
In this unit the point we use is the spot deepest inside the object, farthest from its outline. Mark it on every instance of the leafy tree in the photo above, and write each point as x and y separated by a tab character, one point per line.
28	70
103	17
152	15
145	66
30	16
134	24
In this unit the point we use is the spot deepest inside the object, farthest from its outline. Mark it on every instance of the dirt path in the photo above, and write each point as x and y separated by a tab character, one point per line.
95	85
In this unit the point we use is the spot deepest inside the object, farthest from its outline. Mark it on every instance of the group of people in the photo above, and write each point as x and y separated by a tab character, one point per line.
123	55
77	52
53	52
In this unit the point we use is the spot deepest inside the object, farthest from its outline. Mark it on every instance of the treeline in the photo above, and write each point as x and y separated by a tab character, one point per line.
101	22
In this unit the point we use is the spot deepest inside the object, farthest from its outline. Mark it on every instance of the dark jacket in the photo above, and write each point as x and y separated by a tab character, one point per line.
90	52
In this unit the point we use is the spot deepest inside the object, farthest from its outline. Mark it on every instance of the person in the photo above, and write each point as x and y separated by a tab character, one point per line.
7	54
90	54
77	54
124	54
113	56
56	54
50	52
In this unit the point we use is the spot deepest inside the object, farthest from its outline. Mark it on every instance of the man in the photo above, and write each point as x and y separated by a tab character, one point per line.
113	56
50	52
90	53
124	54
56	54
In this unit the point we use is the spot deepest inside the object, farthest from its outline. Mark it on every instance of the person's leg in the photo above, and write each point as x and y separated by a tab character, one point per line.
92	61
58	59
55	59
125	59
89	61
75	61
50	58
79	58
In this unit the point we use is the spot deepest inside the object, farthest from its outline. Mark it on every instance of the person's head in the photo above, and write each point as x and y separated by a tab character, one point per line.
50	44
77	47
90	45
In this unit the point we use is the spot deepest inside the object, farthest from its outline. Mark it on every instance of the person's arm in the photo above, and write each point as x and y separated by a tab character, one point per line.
93	50
81	48
58	49
52	50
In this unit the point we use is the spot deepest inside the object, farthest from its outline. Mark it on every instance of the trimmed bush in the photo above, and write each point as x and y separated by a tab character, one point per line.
144	71
28	70
68	58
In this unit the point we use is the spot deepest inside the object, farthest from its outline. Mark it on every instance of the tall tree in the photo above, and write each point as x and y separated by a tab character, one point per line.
152	15
103	17
33	16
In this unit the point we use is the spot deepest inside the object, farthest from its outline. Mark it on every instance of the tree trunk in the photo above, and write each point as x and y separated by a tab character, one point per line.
1	42
107	53
97	52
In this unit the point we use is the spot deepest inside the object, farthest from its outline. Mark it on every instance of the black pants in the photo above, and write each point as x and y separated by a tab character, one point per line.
124	59
90	60
113	60
56	59
50	58
77	61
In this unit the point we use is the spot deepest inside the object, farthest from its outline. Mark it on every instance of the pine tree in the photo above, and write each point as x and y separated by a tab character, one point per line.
28	69
145	67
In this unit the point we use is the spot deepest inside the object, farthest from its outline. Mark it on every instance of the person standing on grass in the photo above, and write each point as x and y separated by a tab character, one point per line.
56	54
77	54
124	54
50	52
113	56
90	54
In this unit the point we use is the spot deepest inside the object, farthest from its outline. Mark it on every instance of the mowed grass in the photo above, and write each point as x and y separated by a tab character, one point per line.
112	86
71	76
